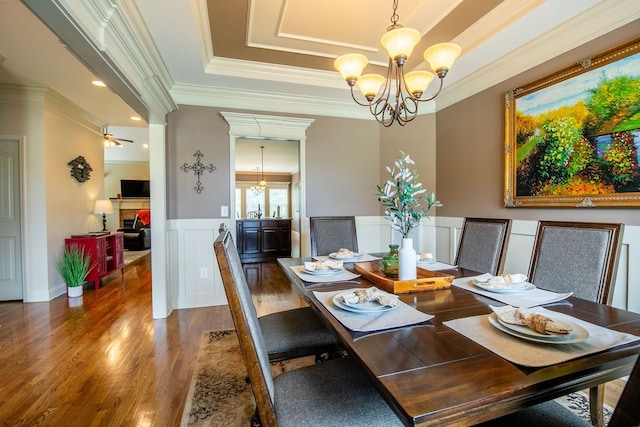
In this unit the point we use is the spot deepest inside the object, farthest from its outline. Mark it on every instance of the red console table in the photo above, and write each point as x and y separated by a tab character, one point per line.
106	253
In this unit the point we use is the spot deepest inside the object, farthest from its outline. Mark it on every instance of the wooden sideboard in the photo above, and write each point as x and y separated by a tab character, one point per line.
263	239
107	253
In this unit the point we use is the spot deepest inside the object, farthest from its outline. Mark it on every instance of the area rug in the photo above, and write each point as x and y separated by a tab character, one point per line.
130	256
220	395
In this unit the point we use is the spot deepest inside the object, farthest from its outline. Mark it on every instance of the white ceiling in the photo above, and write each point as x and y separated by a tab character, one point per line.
279	53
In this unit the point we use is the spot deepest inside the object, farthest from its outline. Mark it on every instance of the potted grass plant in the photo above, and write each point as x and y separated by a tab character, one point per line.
74	265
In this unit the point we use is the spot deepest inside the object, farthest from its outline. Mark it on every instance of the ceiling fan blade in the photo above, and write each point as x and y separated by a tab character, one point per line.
125	140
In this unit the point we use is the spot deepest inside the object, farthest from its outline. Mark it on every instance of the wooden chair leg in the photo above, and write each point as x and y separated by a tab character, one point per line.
596	404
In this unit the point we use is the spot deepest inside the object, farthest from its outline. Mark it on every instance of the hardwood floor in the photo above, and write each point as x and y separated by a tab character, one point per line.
107	362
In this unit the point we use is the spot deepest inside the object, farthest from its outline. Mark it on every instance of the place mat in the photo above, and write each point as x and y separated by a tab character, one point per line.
532	354
525	299
364	258
402	315
339	277
436	265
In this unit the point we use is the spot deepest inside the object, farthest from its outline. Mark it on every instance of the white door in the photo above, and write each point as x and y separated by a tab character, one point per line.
10	242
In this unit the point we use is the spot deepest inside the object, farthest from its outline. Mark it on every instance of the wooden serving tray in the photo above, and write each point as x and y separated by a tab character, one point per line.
426	280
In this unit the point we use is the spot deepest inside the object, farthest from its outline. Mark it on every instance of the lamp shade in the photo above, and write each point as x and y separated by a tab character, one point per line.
400	42
103	207
417	82
369	84
350	65
442	56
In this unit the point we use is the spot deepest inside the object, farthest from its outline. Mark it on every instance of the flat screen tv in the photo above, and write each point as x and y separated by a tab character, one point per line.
134	188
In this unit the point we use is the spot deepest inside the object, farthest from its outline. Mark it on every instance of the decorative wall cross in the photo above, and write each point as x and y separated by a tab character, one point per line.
198	169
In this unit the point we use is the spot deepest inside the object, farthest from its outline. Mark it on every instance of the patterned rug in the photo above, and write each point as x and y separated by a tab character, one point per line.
219	394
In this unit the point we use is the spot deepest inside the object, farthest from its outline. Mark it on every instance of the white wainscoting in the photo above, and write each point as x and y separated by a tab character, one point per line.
626	293
190	249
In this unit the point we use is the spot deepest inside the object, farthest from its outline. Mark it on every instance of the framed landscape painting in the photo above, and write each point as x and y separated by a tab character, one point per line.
573	138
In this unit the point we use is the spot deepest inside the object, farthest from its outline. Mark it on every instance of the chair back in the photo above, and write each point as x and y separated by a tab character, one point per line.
578	257
330	233
483	244
245	319
627	412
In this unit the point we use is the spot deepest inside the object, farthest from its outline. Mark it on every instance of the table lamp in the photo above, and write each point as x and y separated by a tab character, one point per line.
103	207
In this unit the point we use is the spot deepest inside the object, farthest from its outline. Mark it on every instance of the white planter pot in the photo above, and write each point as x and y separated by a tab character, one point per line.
407	268
74	291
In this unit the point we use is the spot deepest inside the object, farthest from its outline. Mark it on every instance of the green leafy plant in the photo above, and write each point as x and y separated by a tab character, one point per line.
404	199
74	264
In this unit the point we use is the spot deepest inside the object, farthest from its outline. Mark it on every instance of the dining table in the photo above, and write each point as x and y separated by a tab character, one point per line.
447	363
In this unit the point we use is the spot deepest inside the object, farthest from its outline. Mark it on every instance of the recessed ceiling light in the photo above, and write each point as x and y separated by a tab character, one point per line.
98	83
145	146
135	118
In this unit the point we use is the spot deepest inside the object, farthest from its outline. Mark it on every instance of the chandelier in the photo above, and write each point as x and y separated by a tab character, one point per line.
400	104
260	186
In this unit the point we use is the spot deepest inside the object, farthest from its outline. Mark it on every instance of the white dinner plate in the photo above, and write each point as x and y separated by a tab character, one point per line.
579	333
334	255
365	307
514	287
327	272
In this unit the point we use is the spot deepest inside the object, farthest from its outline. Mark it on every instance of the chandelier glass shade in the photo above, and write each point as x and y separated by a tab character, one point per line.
398	100
262	184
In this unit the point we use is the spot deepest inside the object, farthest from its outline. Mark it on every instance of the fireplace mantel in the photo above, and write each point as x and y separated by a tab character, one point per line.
126	208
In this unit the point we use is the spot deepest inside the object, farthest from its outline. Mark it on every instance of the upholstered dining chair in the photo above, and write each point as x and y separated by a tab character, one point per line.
626	413
333	393
294	333
578	257
331	233
483	244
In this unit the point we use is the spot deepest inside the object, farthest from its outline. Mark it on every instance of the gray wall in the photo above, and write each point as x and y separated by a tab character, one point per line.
344	161
470	147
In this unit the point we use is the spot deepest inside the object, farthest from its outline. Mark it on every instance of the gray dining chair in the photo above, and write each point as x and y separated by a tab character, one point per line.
295	333
333	393
331	233
578	257
626	413
483	244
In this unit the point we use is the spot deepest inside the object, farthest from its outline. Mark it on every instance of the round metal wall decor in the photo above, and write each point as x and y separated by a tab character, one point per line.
80	169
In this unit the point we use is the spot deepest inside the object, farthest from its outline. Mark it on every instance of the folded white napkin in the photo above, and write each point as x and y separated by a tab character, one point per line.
371	294
526	299
503	281
323	265
538	322
402	315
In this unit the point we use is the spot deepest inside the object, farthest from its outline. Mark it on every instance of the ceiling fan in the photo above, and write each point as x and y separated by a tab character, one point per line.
112	141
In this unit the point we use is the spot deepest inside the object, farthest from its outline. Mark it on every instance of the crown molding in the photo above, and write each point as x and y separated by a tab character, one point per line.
602	18
48	98
208	96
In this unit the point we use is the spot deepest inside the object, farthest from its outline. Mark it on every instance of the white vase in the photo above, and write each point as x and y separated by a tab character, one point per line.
74	291
407	260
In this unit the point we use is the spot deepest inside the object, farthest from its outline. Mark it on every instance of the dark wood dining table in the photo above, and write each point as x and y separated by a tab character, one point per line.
432	375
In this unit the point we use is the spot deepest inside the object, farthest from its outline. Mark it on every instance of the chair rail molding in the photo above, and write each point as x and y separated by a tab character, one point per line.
626	291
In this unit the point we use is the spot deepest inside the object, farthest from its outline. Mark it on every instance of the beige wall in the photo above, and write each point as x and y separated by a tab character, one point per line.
55	205
470	148
344	162
114	172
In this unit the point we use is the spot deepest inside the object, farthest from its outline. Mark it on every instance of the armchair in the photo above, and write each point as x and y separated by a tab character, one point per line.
138	237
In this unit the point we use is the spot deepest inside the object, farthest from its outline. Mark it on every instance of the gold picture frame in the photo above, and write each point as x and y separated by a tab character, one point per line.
572	139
